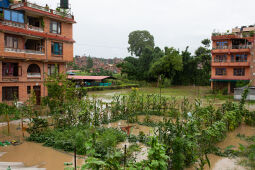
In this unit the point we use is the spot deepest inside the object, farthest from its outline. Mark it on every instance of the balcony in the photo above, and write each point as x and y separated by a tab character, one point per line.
43	9
23	26
33	28
16	50
230	63
232	49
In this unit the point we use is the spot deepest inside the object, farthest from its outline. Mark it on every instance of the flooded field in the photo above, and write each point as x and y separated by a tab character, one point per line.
219	163
39	156
36	155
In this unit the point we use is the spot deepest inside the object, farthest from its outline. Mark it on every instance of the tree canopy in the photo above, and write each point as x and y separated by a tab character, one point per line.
180	67
138	41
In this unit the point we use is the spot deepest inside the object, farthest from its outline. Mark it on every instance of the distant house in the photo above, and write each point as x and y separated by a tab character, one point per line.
91	80
73	72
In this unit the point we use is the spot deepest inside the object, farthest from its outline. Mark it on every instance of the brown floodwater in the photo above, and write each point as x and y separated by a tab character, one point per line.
32	154
36	155
220	163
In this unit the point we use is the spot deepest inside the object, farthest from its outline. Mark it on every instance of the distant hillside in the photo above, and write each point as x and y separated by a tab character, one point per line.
94	64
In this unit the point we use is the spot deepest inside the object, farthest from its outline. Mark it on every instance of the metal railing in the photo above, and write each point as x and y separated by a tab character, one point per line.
16	50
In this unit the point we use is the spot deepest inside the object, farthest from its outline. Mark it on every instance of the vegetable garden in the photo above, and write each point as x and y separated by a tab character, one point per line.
188	133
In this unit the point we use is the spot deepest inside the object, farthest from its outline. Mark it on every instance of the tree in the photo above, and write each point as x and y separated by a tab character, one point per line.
89	63
203	58
168	65
138	41
184	77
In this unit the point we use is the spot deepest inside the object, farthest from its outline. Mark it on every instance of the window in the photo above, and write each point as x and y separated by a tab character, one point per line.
220	58
241	58
11	42
52	68
55	27
57	48
13	16
239	71
222	45
34	71
28	89
10	69
10	93
220	71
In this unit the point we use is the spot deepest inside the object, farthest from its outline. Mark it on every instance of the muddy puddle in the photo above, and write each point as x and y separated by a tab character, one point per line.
31	154
36	155
220	163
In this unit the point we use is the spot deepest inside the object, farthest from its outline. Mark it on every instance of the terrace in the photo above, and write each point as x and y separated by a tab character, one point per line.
58	12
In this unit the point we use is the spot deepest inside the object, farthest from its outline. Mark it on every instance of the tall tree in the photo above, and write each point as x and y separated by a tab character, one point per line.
168	65
138	41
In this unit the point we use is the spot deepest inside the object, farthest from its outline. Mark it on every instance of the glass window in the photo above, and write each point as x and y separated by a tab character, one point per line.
10	69
21	18
11	42
52	68
239	71
10	93
55	27
57	48
7	15
13	16
220	58
220	71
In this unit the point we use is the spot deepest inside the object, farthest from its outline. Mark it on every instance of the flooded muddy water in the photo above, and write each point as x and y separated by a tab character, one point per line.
135	128
31	154
36	155
220	163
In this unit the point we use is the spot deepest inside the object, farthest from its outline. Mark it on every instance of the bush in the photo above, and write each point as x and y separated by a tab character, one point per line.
101	138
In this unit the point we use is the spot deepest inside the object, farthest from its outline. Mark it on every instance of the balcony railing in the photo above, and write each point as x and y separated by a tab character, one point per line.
23	26
233	47
14	24
33	28
41	8
16	50
34	75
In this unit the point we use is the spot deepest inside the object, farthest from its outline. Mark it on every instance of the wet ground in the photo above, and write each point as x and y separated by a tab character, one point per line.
219	163
36	155
31	154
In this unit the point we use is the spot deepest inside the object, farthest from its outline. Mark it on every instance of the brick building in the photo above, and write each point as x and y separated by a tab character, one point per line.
233	58
33	41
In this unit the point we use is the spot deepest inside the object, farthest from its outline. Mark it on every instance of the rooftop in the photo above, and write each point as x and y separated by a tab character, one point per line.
62	14
89	77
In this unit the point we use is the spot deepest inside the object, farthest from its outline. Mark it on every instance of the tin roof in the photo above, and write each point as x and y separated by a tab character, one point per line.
89	77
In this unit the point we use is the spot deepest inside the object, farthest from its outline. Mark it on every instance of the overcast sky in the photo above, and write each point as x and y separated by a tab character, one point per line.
103	25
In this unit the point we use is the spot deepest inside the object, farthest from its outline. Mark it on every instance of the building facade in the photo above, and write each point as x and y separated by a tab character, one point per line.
34	40
232	58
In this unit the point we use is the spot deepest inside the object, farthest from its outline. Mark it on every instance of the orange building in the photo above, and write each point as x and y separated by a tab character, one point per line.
33	41
232	58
